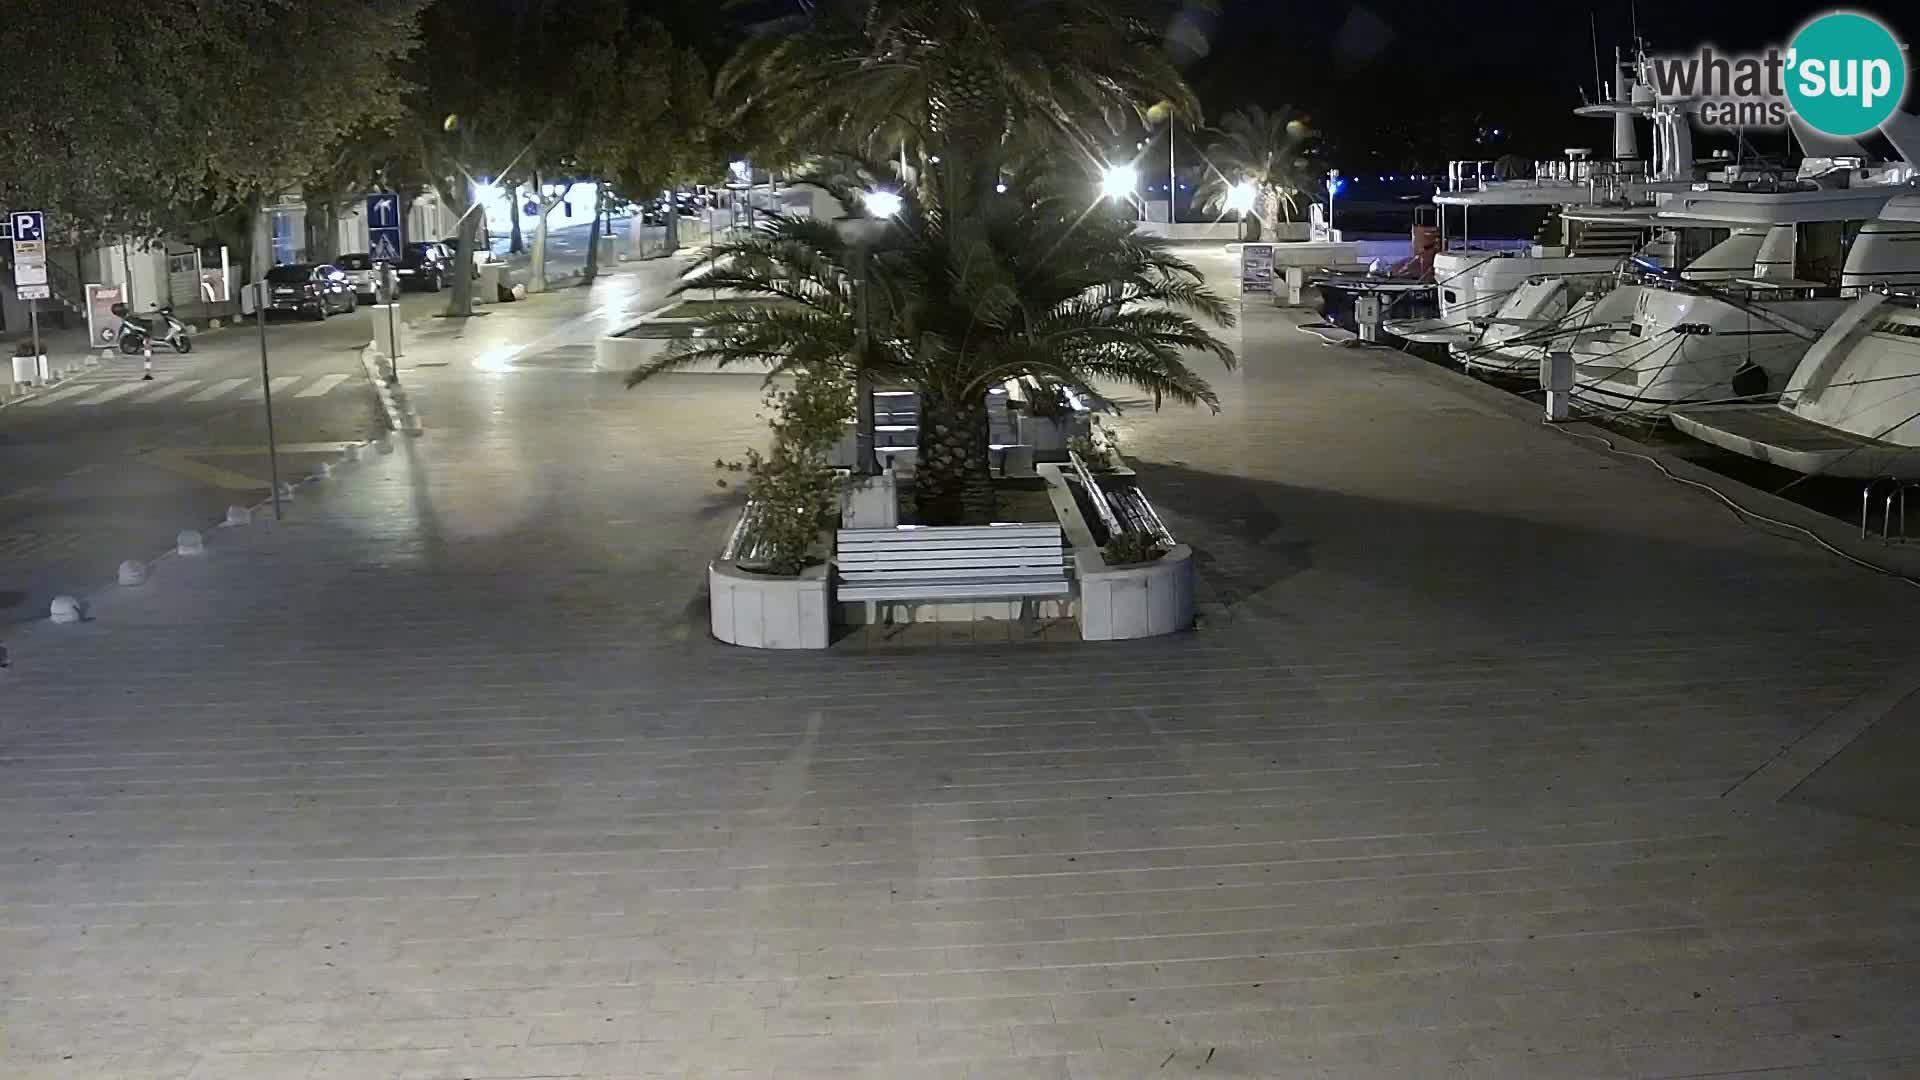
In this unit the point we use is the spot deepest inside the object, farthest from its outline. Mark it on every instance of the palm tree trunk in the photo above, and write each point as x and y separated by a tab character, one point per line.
952	484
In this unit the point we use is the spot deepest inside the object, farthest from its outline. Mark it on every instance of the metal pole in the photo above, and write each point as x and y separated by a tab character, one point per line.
1172	183
864	437
266	388
393	340
33	319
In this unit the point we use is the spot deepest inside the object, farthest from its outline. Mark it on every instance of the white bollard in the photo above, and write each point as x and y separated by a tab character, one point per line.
65	609
239	515
190	542
133	573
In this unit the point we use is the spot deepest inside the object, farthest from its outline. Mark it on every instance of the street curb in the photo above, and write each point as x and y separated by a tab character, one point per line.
394	408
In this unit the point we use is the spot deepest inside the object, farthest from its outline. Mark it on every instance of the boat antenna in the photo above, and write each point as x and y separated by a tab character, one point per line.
1633	13
1593	31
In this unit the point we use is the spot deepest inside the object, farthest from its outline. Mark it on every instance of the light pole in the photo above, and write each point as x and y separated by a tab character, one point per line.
1334	184
861	233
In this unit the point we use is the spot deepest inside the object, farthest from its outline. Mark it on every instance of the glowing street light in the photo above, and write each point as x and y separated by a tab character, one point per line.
881	203
1119	181
1240	197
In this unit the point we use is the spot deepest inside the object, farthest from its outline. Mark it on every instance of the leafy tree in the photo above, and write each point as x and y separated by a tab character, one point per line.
1273	151
965	294
126	117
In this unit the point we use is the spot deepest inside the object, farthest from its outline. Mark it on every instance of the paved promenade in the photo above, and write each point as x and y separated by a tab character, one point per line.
1474	770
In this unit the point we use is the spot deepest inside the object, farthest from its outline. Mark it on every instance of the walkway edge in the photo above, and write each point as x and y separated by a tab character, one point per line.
1843	537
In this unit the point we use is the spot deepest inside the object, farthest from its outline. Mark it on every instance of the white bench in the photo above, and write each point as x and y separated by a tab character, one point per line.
912	563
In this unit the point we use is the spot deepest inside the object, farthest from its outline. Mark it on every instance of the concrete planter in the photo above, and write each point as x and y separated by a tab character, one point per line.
1142	600
32	370
1114	603
761	611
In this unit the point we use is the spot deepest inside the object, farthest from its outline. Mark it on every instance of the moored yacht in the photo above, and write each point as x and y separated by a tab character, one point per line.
1852	406
1664	339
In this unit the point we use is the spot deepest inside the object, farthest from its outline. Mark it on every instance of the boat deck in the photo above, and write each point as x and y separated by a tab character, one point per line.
1772	434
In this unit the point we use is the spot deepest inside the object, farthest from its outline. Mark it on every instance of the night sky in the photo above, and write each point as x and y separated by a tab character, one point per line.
1395	85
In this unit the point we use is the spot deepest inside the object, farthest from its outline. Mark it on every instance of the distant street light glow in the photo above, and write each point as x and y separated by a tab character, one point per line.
1240	199
881	203
1119	181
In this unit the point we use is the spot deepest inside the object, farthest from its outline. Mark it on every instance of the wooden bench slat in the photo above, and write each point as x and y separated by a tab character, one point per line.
973	573
939	590
983	562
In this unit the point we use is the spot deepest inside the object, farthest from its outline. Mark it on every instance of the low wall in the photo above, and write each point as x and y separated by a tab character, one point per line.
1191	230
626	350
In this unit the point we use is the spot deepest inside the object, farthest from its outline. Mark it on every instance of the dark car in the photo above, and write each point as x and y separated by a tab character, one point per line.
426	265
311	289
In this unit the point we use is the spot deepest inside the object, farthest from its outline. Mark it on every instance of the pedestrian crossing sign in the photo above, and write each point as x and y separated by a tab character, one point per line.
386	245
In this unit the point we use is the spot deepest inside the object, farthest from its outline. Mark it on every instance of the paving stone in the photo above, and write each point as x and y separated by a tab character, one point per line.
441	777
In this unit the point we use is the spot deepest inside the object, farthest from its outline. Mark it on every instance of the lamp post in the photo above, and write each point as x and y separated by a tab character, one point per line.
1333	188
861	233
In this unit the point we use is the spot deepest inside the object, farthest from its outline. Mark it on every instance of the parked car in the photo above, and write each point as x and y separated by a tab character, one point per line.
311	289
362	274
426	265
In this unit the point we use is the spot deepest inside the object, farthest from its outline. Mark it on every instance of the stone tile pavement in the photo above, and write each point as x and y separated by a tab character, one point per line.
440	777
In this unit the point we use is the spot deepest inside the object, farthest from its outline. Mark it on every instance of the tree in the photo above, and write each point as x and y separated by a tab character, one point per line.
128	117
1271	151
965	294
872	76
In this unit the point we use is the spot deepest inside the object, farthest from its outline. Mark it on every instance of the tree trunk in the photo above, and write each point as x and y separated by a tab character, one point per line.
539	275
516	243
593	240
673	222
952	484
460	304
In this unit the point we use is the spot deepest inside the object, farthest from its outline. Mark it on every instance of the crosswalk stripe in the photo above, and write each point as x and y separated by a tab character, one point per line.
114	391
280	383
58	395
321	385
169	389
217	389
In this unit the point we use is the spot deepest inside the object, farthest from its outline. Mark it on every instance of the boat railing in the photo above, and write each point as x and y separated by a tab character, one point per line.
1605	179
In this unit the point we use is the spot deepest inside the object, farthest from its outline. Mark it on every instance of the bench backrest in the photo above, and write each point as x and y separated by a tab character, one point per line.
952	552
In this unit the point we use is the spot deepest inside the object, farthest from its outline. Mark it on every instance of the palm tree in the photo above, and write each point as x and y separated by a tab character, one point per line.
874	76
965	294
1270	151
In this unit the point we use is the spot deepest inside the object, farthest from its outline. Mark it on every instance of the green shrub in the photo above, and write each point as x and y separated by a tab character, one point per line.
792	487
1132	546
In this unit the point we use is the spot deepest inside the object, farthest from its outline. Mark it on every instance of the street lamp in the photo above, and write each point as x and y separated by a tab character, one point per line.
1334	184
861	233
1240	197
1118	181
880	203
